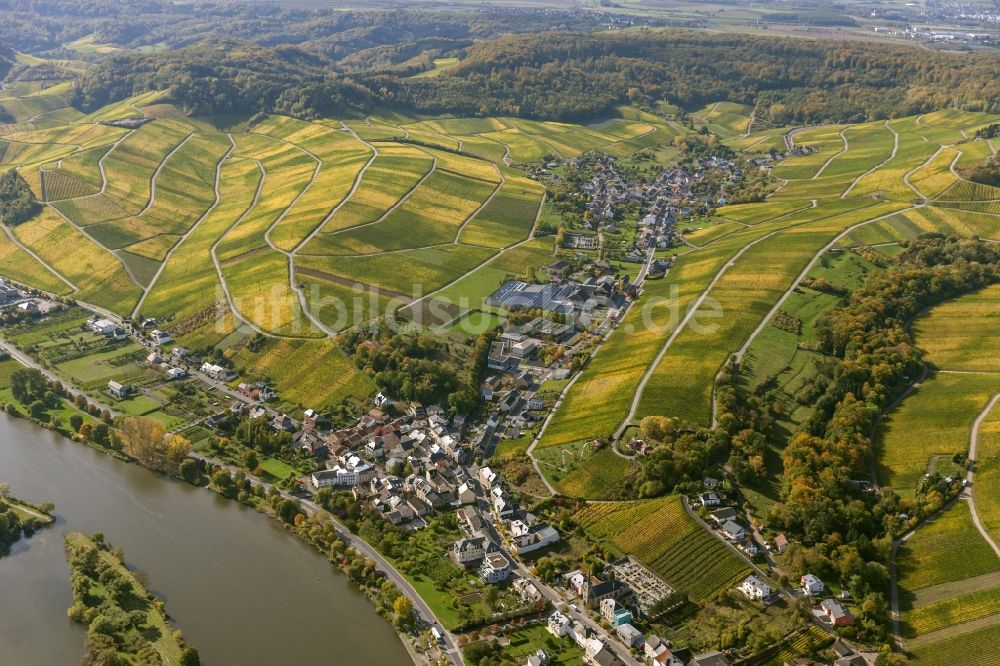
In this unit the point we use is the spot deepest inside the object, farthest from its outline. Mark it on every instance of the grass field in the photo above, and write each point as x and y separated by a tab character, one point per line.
668	550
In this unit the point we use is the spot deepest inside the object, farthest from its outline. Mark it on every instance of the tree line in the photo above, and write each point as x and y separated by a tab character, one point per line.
573	76
17	203
561	76
870	359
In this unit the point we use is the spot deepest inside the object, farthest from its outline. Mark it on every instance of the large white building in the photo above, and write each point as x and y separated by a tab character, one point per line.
495	568
755	588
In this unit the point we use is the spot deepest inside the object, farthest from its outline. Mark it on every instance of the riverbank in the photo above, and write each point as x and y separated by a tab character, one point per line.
242	590
267	500
20	519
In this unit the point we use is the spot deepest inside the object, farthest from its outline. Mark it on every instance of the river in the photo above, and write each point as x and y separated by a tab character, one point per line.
241	589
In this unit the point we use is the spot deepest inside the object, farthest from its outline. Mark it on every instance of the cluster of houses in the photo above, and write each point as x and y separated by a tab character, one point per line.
726	519
407	467
595	650
654	650
517	532
170	363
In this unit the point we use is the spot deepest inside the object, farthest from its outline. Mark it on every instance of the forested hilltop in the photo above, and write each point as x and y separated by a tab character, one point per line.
226	77
574	76
132	24
564	77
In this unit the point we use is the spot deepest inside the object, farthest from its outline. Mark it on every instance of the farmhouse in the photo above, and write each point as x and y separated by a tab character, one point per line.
161	337
709	499
733	531
721	516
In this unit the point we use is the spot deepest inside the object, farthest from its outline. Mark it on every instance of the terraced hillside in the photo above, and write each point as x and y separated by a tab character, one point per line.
285	231
867	184
949	569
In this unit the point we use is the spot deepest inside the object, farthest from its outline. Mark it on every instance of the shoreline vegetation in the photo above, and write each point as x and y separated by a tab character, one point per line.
316	530
126	624
20	519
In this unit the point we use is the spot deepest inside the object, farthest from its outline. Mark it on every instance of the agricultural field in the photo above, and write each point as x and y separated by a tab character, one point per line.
852	187
667	550
97	274
935	420
726	119
954	335
945	550
988	474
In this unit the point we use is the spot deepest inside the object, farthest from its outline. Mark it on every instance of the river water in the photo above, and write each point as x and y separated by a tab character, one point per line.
241	589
